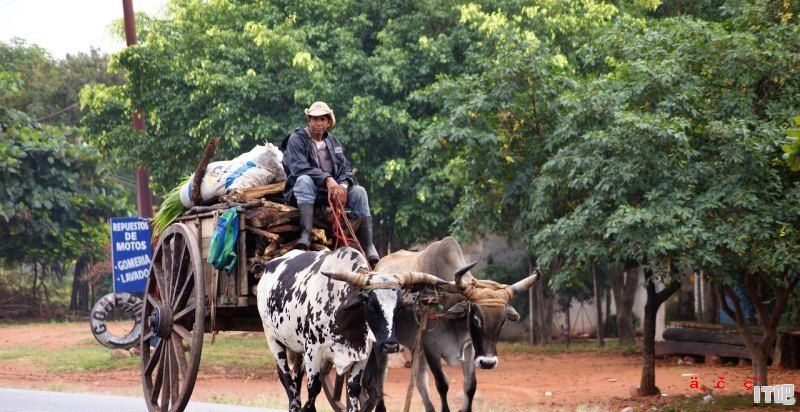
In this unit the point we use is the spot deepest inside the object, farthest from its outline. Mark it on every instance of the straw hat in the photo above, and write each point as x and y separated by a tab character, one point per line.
321	109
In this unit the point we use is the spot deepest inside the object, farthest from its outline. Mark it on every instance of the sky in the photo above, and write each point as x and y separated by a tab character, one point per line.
67	26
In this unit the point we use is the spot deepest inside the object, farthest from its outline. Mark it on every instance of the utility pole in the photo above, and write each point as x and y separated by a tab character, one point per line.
144	196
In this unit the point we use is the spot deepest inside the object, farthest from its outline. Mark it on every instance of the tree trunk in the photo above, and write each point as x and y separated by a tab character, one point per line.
598	292
698	296
543	308
547	323
607	320
760	353
708	301
78	286
85	305
624	282
34	287
45	276
531	316
541	328
760	361
648	387
567	324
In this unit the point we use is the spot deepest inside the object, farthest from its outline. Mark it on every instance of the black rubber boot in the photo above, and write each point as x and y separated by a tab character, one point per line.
364	235
306	224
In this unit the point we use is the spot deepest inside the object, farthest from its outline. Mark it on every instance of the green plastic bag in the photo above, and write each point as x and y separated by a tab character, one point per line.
222	250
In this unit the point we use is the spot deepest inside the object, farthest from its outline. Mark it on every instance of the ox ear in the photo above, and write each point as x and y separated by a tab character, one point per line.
456	312
354	302
511	314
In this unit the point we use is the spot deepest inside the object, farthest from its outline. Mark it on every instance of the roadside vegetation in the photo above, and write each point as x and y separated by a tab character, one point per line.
242	356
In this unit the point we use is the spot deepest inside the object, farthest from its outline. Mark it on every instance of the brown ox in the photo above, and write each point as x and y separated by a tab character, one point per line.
467	332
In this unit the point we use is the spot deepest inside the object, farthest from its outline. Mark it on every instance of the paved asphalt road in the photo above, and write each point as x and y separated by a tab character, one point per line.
22	400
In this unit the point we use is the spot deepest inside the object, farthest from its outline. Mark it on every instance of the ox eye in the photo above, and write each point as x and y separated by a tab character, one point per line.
477	320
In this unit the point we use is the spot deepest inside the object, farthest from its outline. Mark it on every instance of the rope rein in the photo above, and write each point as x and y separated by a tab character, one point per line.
342	230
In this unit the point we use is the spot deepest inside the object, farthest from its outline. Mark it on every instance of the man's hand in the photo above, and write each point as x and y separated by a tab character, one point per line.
336	193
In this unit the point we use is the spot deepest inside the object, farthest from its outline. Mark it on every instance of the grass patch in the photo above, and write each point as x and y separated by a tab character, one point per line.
15	353
555	348
84	359
719	403
75	359
233	351
236	350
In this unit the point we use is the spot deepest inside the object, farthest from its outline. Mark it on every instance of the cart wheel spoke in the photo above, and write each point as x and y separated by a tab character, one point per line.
160	287
153	361
166	270
175	370
177	267
185	292
174	376
180	355
167	380
183	332
159	379
152	300
189	310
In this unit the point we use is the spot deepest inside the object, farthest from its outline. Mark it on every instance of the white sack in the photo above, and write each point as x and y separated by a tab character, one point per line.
258	167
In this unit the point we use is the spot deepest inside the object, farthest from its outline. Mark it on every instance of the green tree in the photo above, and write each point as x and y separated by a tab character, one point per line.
624	148
56	201
46	88
245	71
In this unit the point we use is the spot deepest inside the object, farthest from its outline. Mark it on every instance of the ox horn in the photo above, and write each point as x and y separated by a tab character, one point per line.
354	278
524	284
418	278
459	277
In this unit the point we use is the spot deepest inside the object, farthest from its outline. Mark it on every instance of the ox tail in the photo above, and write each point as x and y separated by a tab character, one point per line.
373	379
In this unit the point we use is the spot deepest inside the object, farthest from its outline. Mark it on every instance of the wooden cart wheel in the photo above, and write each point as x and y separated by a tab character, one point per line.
334	387
173	316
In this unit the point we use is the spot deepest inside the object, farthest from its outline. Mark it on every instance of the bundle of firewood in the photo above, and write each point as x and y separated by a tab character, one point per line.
274	225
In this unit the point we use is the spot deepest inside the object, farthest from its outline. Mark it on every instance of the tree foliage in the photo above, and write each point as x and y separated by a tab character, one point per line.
47	89
244	71
57	194
632	139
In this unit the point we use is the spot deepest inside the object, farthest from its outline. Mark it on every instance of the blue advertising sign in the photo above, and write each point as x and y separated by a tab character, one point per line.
130	253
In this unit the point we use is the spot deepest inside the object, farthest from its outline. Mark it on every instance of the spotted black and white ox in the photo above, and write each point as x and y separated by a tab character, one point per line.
320	307
467	333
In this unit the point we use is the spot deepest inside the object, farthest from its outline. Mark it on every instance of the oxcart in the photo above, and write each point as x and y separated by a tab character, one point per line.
186	297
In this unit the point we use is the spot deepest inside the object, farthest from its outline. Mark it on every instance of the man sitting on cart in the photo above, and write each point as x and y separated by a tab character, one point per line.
318	171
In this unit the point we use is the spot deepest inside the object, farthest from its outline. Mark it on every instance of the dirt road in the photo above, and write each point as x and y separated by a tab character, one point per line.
524	380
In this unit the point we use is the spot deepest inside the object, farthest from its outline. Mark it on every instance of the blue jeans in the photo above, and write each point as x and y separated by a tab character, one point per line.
305	191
